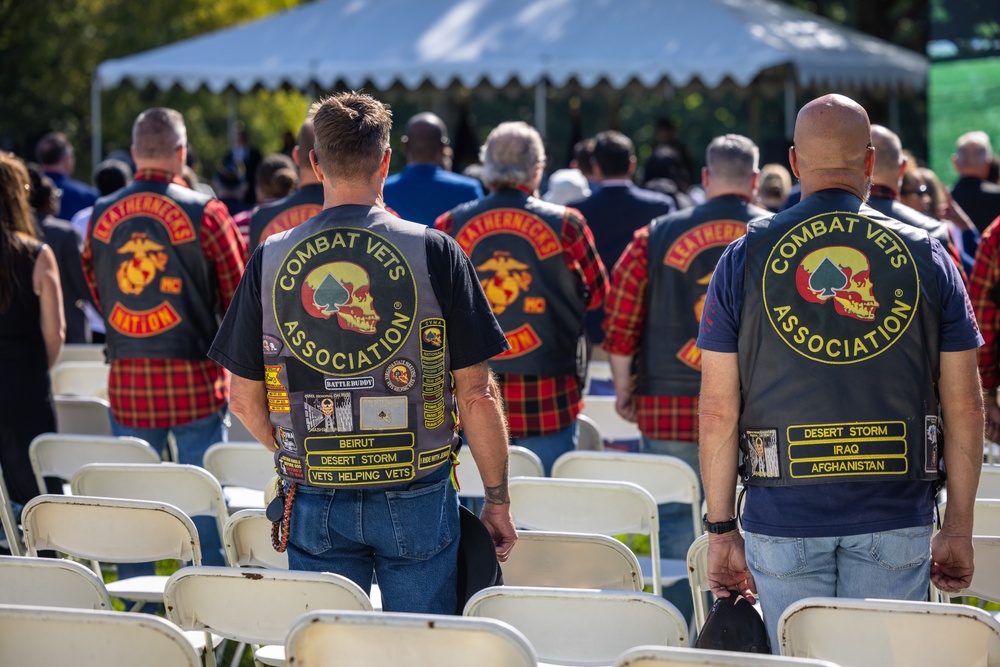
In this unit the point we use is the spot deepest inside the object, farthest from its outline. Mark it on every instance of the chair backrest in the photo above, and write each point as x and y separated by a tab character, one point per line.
192	489
572	560
363	639
109	529
238	432
46	636
582	627
989	482
589	437
986	578
82	415
667	478
255	606
8	520
587	506
697	561
50	582
81	352
678	656
889	632
59	455
247	540
247	464
80	378
602	410
523	463
986	516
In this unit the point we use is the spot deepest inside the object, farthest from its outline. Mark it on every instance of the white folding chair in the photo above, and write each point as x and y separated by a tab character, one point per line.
80	378
255	606
192	489
81	352
247	541
986	578
875	633
82	415
989	482
59	455
11	527
113	530
602	410
48	636
985	518
678	656
589	436
582	627
588	506
667	478
697	565
523	463
50	582
572	560
244	469
364	639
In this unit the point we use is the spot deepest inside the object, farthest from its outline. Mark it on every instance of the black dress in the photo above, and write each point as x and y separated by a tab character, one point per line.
26	407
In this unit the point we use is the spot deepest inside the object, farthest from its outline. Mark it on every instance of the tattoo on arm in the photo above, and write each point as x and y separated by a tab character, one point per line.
498	495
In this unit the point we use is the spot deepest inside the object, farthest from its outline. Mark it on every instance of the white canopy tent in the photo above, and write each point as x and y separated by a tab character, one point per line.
536	43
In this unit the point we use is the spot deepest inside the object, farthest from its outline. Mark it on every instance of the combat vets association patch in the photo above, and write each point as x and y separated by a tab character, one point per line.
345	301
840	288
400	375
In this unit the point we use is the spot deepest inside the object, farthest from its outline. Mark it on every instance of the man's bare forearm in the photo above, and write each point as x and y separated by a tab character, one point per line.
481	414
718	419
248	401
962	416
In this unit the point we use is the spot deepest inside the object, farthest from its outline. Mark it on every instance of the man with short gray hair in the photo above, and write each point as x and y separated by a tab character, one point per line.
541	273
978	197
657	294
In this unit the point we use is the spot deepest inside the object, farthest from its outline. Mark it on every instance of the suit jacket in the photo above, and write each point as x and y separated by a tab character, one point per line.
613	213
422	192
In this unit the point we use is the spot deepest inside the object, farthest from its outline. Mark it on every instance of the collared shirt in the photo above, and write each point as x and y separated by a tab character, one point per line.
658	417
159	393
538	405
983	286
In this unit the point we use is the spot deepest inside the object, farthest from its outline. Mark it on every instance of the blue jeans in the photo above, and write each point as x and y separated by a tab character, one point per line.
550	447
192	440
893	564
408	536
677	531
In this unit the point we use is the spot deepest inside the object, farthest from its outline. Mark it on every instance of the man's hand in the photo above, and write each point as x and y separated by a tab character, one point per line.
624	406
727	566
951	561
500	523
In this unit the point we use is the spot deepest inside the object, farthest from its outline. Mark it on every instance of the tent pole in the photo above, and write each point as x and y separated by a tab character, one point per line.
894	111
789	103
95	122
541	94
232	116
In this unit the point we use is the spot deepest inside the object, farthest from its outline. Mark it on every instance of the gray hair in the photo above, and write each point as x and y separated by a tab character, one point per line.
732	158
973	148
512	153
158	132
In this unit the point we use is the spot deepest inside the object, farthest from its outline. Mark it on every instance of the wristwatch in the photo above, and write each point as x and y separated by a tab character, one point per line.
719	527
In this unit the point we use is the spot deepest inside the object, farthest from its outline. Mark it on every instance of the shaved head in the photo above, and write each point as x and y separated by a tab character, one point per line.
888	156
426	135
832	145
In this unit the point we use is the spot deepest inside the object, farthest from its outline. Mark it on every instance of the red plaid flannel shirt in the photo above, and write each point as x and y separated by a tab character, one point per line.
538	405
658	417
159	393
984	278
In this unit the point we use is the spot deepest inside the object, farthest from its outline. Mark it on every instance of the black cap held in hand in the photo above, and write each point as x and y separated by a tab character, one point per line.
734	625
477	559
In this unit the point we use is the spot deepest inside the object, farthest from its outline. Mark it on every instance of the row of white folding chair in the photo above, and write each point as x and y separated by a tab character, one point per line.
582	627
80	378
9	521
669	656
601	409
985	518
81	352
61	455
244	469
82	414
50	582
522	463
33	636
873	633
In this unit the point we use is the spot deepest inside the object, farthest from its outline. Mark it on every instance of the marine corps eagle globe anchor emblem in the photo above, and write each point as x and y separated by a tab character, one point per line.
135	273
510	277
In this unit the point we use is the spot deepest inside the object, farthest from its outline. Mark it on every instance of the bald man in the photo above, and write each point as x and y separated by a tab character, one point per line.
836	344
425	189
296	208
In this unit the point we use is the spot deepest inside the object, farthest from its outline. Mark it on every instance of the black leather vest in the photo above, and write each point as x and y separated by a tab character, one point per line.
514	242
897	210
156	288
285	213
839	347
684	248
357	368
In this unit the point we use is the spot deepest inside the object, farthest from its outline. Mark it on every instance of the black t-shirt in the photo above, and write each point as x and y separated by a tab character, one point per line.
473	333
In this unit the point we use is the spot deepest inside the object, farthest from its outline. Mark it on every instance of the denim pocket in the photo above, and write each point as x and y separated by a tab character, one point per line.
901	549
778	556
309	527
422	519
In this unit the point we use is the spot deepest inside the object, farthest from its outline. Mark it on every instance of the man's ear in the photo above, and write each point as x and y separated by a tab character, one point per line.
315	166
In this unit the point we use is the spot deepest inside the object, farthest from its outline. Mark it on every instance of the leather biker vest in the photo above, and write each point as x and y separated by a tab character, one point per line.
285	213
357	370
839	346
